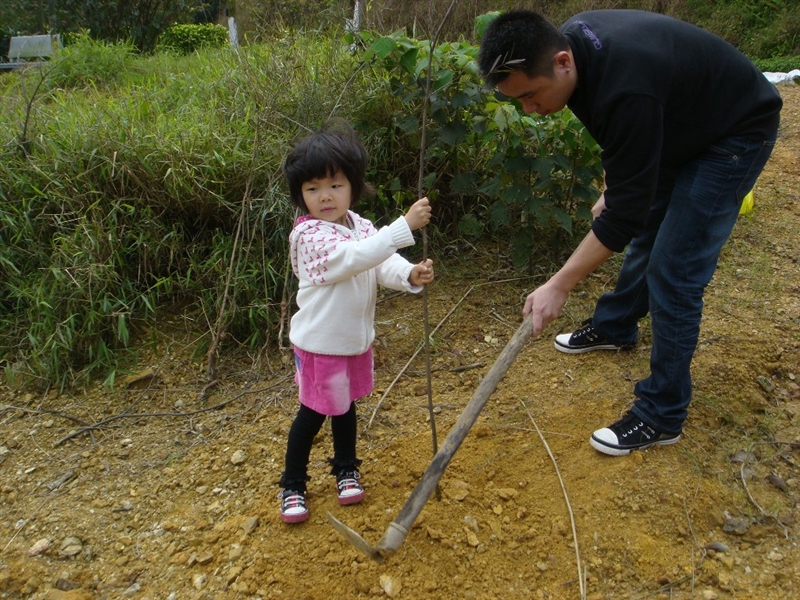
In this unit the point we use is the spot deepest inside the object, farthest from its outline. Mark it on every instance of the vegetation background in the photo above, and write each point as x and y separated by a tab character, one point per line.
140	169
760	28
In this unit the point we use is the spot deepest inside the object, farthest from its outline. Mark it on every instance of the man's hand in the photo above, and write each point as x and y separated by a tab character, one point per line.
546	303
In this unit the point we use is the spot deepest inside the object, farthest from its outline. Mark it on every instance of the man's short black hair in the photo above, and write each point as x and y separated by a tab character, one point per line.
334	148
519	40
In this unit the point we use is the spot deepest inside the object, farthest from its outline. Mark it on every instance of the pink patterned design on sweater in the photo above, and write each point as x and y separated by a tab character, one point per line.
319	240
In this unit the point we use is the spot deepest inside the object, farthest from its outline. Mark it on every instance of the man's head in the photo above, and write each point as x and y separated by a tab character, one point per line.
519	40
527	58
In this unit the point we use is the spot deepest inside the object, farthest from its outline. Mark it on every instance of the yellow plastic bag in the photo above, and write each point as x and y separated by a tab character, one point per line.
747	203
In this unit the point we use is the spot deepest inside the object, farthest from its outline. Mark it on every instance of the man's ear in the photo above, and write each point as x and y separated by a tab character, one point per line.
562	61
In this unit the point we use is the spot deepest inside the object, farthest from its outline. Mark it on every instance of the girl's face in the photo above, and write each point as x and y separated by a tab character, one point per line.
328	198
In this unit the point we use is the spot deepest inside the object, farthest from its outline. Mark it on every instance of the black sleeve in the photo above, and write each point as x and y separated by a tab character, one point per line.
631	138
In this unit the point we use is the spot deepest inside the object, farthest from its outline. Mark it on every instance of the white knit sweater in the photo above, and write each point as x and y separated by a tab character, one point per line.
339	269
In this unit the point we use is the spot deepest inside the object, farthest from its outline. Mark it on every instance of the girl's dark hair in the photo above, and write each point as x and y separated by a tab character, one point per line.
334	148
519	40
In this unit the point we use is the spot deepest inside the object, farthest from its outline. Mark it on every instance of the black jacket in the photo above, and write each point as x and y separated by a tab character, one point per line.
655	92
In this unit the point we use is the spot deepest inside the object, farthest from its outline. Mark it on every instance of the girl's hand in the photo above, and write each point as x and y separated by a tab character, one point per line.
419	214
422	273
599	206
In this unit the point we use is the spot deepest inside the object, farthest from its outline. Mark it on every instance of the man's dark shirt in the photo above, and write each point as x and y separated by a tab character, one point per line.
655	92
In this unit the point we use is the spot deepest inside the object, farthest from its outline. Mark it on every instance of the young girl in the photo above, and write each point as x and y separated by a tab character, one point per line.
339	258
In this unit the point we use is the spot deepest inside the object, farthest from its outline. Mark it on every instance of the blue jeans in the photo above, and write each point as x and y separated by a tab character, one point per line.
666	270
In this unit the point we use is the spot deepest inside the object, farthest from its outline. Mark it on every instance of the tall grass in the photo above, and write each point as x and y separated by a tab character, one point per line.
122	180
759	28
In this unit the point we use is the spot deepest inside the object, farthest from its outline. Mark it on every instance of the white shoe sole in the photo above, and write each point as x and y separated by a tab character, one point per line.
565	347
614	450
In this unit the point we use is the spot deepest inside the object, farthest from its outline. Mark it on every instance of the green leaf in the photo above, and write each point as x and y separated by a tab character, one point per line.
108	384
464	184
563	219
587	193
535	204
561	161
442	79
491	186
122	329
543	166
505	116
468	225
408	124
499	215
483	21
460	100
409	60
515	194
381	48
519	165
453	134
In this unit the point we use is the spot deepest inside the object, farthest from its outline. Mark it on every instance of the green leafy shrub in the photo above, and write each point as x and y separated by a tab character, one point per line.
780	64
189	38
496	170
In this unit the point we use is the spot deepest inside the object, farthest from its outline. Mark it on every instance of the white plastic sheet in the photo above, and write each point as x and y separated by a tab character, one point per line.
792	76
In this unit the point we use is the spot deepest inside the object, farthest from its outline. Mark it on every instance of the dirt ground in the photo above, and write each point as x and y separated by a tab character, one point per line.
147	491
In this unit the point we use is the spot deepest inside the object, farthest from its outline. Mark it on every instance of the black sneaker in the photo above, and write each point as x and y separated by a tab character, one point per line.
629	433
586	339
293	506
349	489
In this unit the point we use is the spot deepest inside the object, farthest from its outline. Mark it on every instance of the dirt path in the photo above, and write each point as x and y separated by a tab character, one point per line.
173	507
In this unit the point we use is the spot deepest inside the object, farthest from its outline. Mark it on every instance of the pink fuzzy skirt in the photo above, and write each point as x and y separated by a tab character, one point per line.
329	384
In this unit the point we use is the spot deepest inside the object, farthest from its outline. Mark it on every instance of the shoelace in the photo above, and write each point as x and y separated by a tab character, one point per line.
627	423
590	334
632	429
292	500
349	481
631	424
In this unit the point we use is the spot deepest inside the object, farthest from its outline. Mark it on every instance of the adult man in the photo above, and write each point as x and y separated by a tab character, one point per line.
686	123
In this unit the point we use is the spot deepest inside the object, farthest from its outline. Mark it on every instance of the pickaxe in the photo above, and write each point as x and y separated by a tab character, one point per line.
398	529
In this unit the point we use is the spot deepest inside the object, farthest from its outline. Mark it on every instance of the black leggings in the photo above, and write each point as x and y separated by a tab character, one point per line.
306	425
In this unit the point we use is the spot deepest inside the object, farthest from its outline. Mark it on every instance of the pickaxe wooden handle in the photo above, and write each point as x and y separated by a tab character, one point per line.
398	529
